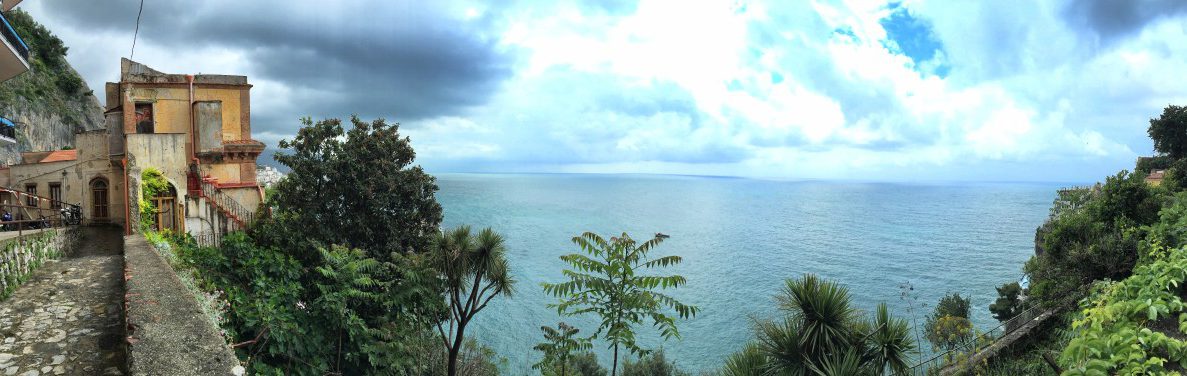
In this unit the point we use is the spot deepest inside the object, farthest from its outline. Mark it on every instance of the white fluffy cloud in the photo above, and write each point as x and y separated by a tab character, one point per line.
924	89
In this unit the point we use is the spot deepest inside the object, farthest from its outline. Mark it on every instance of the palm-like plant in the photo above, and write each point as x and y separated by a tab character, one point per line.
608	283
559	345
822	334
474	270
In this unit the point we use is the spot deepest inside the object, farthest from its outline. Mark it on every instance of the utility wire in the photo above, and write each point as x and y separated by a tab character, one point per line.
137	32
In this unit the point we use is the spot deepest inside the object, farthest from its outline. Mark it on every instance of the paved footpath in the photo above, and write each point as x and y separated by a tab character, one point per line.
67	319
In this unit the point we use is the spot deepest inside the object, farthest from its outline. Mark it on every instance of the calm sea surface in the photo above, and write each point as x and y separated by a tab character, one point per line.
740	239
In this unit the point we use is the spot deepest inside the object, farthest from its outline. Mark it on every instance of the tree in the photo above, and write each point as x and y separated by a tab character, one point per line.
559	347
949	325
1008	303
1169	132
356	189
654	364
610	283
822	333
474	270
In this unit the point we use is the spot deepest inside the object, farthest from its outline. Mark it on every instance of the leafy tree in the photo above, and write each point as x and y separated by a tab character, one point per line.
559	346
1008	303
586	364
610	282
356	188
1169	132
474	269
1097	239
654	364
949	325
822	333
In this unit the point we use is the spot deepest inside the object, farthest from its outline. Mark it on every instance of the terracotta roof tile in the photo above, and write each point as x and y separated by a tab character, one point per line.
60	155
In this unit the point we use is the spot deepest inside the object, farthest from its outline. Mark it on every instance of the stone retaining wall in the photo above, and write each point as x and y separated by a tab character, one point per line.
167	332
20	256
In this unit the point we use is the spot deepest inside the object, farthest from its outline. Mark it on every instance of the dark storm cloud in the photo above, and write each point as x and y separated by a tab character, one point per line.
1114	19
404	60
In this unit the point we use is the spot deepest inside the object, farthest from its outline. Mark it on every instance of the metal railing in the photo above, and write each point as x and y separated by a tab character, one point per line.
15	40
227	205
965	349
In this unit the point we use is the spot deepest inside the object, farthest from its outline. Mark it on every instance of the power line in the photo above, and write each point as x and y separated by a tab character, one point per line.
137	32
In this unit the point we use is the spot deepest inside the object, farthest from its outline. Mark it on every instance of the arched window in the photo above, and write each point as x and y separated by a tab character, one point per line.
99	198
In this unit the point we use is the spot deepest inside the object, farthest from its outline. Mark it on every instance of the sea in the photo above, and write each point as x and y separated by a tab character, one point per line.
903	244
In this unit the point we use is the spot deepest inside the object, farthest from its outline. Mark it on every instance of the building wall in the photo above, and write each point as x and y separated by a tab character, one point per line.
164	152
75	178
172	112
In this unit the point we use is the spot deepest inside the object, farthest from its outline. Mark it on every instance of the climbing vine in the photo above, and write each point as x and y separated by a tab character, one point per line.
152	184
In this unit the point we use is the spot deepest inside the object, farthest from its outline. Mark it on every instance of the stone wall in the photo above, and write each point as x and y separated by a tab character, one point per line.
167	332
20	256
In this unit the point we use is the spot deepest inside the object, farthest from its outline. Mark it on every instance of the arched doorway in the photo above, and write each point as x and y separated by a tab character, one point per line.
99	198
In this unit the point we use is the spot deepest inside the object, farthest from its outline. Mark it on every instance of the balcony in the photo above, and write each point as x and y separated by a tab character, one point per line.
7	132
14	58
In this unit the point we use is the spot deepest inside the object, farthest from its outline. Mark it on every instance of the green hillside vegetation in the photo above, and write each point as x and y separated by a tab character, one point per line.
50	80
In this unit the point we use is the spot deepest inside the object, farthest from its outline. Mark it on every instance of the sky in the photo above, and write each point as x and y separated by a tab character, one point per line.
860	90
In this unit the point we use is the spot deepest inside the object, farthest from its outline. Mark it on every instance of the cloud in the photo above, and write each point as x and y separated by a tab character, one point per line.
846	89
410	60
1111	20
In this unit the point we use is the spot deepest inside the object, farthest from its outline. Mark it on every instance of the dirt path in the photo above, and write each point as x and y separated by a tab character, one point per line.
67	320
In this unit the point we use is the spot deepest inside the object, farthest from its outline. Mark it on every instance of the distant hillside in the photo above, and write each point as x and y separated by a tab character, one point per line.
51	101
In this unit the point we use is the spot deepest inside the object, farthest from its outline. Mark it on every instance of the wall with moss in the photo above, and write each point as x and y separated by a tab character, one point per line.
19	257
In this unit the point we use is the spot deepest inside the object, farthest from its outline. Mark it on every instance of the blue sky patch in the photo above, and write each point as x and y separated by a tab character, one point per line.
912	37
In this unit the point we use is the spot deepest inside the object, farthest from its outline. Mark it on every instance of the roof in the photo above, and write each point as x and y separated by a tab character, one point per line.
61	155
48	156
1156	175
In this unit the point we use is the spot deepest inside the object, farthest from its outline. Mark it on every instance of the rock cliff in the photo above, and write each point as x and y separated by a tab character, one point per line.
51	101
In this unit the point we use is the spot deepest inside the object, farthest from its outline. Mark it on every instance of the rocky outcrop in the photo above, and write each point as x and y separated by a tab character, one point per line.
50	102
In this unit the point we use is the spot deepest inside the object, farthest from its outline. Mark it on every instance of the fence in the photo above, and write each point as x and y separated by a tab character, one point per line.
963	350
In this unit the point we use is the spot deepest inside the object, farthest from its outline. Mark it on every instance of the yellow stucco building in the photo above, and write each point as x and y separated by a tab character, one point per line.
194	129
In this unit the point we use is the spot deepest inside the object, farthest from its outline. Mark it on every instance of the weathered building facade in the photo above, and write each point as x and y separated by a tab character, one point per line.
194	129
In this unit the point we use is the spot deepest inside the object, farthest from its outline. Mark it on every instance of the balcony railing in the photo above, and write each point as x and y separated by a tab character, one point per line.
15	40
7	129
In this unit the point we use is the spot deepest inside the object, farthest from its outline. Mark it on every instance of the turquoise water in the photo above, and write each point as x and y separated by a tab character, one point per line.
740	239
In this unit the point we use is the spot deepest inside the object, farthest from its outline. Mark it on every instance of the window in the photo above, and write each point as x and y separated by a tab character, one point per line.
99	198
55	195
31	189
209	117
144	118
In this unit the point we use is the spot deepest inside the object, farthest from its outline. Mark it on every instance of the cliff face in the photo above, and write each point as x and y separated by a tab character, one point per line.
51	101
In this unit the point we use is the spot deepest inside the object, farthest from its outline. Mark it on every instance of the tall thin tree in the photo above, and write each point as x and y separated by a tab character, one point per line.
611	282
474	270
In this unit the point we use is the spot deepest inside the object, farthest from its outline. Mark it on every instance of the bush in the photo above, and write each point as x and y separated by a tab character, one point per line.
653	365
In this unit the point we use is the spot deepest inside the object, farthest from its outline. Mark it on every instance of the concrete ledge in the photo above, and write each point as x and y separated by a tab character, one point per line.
167	333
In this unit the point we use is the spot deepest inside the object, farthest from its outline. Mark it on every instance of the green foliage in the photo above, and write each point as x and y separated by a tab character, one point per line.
355	188
558	348
474	271
1175	178
584	364
948	326
1169	132
152	184
948	332
822	333
1134	326
1008	303
1147	164
344	312
1096	240
751	361
653	364
612	282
